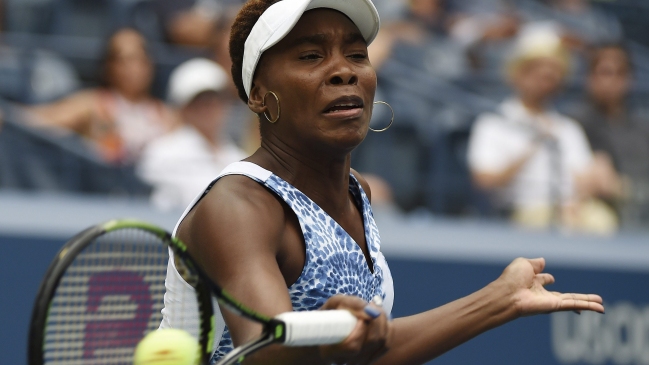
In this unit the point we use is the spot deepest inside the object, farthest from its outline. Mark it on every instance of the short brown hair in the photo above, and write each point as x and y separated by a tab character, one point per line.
243	23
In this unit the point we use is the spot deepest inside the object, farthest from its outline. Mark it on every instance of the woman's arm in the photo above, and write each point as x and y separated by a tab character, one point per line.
236	233
517	292
74	112
492	180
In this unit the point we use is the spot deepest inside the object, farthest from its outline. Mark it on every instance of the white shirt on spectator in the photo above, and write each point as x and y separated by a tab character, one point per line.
181	164
499	139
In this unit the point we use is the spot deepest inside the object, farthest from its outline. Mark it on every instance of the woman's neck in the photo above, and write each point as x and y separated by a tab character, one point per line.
132	97
611	109
534	106
318	174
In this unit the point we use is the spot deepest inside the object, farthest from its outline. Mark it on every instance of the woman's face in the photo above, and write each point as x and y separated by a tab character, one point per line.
610	79
324	80
539	79
129	69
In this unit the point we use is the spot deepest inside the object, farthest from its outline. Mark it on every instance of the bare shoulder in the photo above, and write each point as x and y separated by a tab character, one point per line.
364	184
236	209
235	233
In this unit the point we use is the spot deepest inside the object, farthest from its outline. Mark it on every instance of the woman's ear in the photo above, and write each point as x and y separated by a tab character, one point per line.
256	100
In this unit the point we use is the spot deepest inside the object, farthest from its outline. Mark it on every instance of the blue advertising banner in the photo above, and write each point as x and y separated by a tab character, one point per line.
621	336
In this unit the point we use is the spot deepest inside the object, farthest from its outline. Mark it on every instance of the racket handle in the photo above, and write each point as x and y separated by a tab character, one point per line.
310	328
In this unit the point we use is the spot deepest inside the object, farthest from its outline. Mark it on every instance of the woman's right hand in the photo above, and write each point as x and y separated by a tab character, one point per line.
369	340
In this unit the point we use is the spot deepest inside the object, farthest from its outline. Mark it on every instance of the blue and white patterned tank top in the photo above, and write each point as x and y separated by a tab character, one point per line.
334	263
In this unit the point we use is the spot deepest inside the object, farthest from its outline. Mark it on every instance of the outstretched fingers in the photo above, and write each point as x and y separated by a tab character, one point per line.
577	302
545	279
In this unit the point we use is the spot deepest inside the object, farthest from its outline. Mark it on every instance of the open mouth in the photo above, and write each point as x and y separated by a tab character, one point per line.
345	105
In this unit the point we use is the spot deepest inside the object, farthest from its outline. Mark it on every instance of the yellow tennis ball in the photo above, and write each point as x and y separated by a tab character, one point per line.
166	347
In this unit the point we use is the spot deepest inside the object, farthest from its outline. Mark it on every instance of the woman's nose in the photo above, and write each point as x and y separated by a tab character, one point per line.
338	80
344	80
342	74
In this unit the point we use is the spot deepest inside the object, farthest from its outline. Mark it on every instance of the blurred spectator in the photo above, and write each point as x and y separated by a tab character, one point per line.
448	32
484	21
191	22
33	75
236	128
390	10
121	117
484	29
536	160
181	164
421	23
617	129
582	23
382	195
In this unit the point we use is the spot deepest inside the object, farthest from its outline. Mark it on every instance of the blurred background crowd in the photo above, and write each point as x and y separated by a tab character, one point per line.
534	111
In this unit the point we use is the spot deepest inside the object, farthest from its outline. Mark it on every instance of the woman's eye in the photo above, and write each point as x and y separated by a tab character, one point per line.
310	56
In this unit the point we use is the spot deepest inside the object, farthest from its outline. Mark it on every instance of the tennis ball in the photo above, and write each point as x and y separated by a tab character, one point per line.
166	347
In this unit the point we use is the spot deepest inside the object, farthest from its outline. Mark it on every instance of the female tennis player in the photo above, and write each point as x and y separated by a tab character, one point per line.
291	228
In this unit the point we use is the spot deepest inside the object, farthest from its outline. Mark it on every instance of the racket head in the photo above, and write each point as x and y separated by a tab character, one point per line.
103	293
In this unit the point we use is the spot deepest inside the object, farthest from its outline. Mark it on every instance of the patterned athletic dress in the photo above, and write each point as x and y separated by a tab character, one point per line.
334	263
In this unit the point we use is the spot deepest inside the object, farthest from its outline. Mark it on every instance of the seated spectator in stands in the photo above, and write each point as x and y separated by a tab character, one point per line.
422	22
485	29
618	130
582	23
192	22
32	75
121	117
180	164
484	21
448	32
535	160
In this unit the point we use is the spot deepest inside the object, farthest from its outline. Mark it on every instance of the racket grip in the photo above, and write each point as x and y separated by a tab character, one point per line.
311	328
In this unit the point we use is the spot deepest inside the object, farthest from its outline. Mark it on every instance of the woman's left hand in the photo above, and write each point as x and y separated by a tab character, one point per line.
526	280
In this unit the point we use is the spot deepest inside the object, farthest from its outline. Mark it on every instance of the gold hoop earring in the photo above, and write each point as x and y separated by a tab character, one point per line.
391	120
263	103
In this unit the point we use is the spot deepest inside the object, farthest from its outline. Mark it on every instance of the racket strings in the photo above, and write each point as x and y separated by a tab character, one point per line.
107	300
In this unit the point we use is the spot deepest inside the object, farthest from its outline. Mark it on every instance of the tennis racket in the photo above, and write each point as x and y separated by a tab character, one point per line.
104	291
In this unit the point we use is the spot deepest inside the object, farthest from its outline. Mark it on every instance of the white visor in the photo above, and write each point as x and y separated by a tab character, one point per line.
279	19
